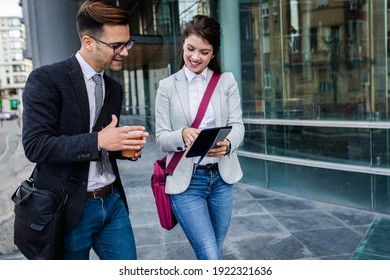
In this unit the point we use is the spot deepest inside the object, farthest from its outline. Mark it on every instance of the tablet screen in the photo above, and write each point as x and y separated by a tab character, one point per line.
207	139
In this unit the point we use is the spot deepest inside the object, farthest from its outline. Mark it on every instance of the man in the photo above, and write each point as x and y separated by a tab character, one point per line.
73	151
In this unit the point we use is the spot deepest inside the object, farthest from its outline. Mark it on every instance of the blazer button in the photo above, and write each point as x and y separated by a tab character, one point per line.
179	148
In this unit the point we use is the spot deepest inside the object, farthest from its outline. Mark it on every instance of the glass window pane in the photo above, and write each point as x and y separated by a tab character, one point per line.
254	171
333	144
339	187
254	43
315	60
381	148
254	140
382	194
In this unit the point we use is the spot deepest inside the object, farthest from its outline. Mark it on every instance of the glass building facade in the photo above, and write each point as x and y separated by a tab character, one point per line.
314	81
316	102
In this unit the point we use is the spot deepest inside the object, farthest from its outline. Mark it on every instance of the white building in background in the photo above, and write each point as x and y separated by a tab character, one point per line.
14	67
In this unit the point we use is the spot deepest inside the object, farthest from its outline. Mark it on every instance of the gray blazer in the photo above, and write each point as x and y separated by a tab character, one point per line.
173	114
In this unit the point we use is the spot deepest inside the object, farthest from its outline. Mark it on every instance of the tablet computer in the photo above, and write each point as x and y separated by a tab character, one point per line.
207	139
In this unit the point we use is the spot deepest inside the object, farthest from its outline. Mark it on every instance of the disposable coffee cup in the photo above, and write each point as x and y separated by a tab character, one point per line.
130	153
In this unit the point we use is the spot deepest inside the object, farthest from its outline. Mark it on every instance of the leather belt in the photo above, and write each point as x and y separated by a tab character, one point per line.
98	193
208	167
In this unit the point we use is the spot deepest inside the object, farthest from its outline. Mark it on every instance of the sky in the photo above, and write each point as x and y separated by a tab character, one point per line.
10	8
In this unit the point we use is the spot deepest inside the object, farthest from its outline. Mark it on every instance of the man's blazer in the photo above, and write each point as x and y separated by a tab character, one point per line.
173	114
56	132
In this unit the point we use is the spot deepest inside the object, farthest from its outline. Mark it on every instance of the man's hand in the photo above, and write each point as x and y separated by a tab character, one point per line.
112	138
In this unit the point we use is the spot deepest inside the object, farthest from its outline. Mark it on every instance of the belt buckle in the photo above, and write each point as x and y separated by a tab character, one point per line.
95	193
210	167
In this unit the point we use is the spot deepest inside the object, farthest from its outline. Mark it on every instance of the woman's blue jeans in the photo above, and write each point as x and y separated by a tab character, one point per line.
104	226
204	212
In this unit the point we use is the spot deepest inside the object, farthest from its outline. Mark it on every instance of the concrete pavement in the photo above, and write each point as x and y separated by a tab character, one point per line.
265	224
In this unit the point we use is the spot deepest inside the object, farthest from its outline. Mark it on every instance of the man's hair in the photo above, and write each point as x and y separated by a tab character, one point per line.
93	14
209	29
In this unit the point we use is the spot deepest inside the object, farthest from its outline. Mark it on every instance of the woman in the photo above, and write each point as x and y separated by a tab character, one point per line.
201	199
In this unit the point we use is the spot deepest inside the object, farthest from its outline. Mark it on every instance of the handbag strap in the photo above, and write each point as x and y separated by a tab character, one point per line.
199	116
205	100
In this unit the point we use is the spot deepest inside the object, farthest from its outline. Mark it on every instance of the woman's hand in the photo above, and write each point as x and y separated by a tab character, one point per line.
221	150
189	135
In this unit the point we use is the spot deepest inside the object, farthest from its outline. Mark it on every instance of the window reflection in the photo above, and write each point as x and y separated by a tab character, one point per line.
358	146
349	189
343	145
316	59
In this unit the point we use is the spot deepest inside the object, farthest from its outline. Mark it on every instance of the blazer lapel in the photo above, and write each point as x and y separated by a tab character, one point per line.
107	88
79	89
182	92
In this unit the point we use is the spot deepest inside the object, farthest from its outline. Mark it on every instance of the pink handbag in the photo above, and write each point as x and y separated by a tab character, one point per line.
163	203
160	170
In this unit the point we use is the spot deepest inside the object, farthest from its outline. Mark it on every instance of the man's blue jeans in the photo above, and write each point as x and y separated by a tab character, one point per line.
104	226
204	212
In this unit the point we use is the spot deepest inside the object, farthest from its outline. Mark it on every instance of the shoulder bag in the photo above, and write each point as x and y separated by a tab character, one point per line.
39	222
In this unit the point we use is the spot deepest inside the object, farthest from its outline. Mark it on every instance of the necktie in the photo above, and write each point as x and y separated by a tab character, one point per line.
104	164
98	94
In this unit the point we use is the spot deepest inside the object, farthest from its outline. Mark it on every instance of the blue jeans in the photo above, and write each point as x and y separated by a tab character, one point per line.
104	226
204	212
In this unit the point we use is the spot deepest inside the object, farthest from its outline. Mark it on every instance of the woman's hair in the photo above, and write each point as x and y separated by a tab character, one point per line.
93	14
209	29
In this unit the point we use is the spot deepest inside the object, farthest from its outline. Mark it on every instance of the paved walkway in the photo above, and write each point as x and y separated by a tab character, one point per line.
265	224
14	168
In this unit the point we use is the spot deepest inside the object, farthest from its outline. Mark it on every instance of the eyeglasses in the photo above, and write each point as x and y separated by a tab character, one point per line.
118	48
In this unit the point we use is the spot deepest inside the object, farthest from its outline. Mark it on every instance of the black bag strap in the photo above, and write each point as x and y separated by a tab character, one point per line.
17	199
67	190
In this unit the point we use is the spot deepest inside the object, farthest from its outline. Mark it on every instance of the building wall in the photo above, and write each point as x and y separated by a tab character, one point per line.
14	68
51	30
315	100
